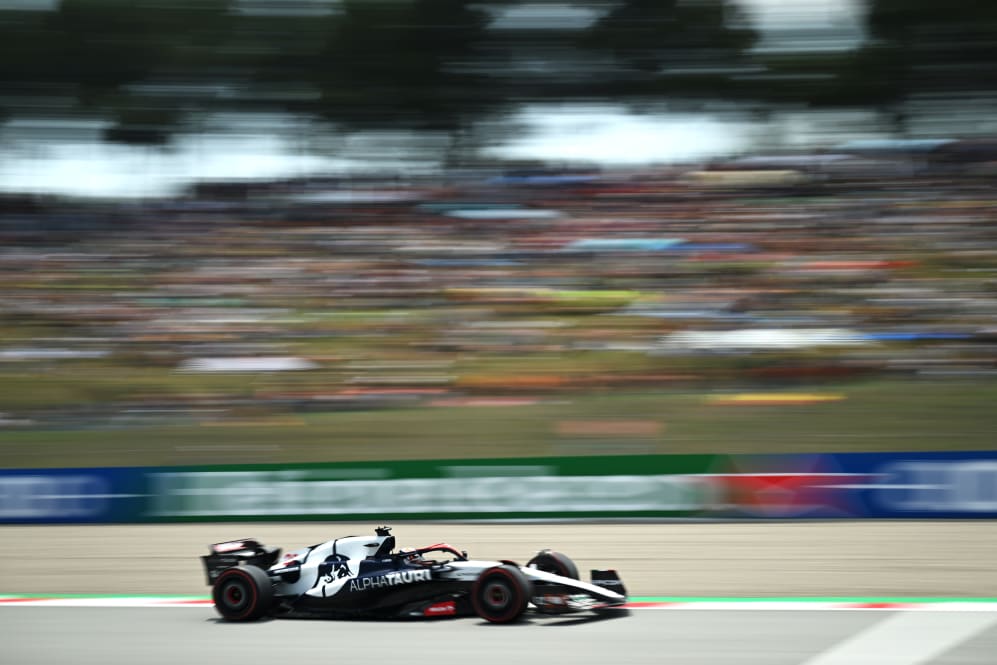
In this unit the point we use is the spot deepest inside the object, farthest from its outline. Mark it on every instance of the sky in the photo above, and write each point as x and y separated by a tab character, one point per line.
774	14
614	136
606	134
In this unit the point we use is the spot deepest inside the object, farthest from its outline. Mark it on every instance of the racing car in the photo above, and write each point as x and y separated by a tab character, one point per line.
363	576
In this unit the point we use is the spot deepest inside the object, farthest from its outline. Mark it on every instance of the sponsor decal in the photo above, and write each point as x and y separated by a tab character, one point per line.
304	492
789	494
55	496
391	579
447	608
783	486
930	486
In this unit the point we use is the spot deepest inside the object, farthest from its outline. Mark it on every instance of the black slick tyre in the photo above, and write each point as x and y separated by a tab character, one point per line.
501	594
243	593
550	561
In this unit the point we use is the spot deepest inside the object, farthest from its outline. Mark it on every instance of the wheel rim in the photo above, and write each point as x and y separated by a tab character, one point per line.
496	595
234	595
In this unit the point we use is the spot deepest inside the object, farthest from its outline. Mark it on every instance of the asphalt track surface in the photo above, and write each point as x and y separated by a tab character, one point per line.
754	559
894	559
112	636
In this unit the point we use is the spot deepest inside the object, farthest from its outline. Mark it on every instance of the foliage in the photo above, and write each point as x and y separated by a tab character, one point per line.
673	46
928	47
149	65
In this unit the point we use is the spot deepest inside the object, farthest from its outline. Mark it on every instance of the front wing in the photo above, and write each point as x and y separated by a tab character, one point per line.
554	594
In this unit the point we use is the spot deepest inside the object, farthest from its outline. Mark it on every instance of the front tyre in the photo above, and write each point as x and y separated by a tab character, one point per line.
550	561
243	593
500	594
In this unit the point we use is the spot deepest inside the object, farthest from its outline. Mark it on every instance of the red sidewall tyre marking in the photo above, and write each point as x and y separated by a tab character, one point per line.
515	592
252	592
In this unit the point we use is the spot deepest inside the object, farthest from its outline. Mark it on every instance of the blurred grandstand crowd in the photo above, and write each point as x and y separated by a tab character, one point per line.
324	293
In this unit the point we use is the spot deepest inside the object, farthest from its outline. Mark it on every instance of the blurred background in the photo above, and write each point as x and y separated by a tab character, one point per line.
317	231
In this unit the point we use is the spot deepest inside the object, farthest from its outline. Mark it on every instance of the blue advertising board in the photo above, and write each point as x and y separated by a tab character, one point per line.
921	485
61	496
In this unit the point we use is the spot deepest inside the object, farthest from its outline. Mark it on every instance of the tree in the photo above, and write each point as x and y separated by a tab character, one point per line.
147	65
673	47
930	47
97	53
403	63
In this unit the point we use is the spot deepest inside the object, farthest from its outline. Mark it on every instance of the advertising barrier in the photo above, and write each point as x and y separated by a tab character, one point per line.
52	496
826	486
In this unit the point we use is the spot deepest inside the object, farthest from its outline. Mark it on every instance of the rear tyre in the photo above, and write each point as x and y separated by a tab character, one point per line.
501	594
550	561
243	593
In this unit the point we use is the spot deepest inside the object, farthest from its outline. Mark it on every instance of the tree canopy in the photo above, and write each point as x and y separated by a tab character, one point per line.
148	65
145	65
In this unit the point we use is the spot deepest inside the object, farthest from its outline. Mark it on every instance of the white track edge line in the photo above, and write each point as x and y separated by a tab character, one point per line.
954	606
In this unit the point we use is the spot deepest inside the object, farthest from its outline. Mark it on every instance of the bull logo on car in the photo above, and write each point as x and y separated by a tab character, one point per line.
338	568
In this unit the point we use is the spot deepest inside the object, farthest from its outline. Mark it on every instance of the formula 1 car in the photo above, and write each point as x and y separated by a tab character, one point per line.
362	576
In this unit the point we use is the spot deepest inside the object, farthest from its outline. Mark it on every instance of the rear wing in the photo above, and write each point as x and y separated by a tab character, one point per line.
247	551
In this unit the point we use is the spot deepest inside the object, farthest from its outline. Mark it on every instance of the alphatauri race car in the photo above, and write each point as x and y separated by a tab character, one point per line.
363	576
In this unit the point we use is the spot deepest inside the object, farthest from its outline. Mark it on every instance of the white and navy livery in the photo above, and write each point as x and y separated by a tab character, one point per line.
365	576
